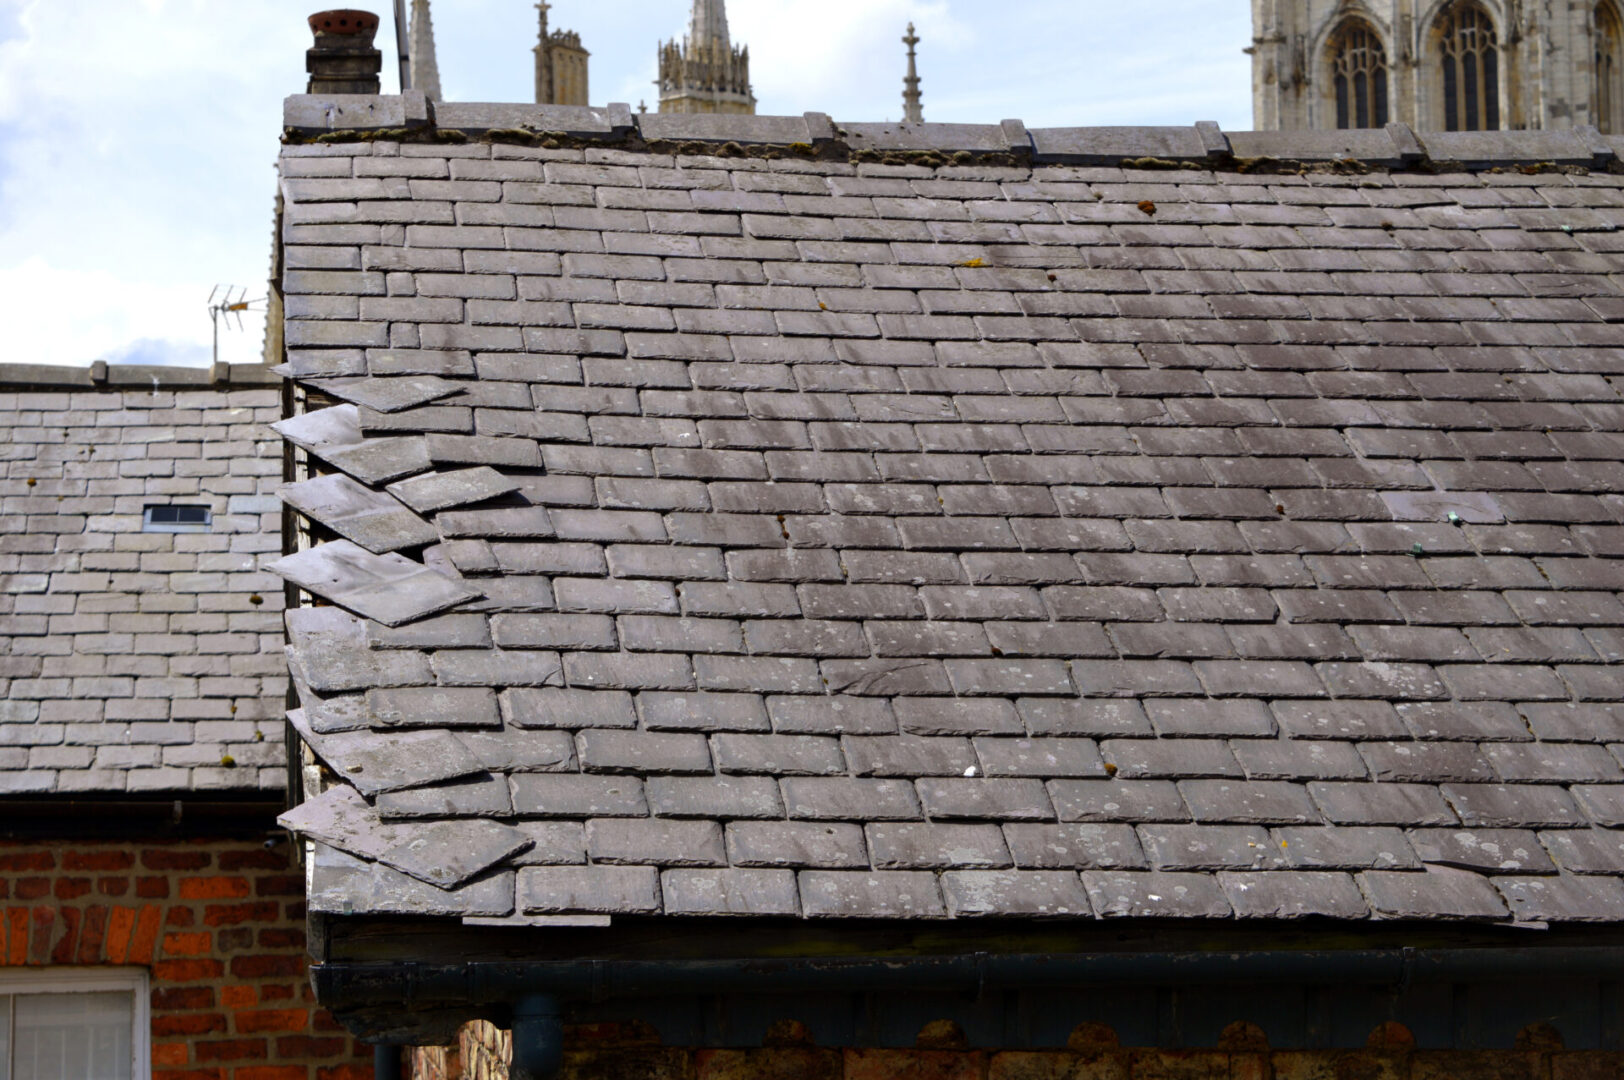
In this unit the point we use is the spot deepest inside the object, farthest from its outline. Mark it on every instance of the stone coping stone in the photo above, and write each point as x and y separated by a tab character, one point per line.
951	138
1496	147
753	130
566	119
1372	146
101	375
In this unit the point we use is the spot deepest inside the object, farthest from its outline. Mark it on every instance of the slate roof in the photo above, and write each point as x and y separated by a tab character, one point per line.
134	662
994	536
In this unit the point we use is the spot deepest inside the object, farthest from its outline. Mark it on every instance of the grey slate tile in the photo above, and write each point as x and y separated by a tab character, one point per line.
870	895
403	760
1437	893
1136	894
1039	893
572	795
1293	895
1347	848
481	795
1487	851
1074	846
341	884
445	854
373	520
389	589
729	892
610	890
795	844
640	842
1563	899
919	846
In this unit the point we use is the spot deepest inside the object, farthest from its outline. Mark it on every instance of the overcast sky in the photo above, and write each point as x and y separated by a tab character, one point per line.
137	137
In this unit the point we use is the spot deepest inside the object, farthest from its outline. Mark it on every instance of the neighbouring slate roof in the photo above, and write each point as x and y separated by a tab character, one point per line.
136	662
824	537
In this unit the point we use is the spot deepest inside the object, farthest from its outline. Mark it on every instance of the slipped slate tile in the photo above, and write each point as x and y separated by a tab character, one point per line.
334	435
327	714
375	764
433	492
371	519
331	648
341	884
444	854
390	589
387	395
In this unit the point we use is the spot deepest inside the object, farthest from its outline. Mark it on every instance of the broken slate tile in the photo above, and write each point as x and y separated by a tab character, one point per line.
443	853
369	518
390	589
374	764
331	647
1293	894
388	395
436	491
1487	851
334	435
1564	899
341	884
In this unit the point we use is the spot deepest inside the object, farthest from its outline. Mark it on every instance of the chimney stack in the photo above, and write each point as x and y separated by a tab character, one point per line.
343	60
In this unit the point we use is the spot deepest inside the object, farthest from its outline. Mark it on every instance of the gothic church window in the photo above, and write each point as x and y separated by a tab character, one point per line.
1359	77
1609	93
1470	56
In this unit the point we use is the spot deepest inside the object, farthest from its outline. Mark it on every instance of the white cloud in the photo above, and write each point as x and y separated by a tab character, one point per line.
137	136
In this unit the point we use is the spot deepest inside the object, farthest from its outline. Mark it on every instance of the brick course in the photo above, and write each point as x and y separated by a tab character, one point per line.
220	927
611	1051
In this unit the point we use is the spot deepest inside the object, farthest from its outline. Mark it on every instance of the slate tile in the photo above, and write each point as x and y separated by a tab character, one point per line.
432	707
497	667
832	715
373	520
570	795
870	895
917	846
612	890
723	797
729	892
1512	806
1563	899
1586	851
343	884
1209	847
1061	758
1136	894
1346	848
796	844
1208	719
1298	759
1338	720
568	709
1261	802
642	752
996	799
1486	721
1016	893
831	799
1487	851
1074	846
1136	759
1381	804
389	589
473	796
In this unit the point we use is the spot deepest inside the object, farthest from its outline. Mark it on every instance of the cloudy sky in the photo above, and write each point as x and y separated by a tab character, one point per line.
137	137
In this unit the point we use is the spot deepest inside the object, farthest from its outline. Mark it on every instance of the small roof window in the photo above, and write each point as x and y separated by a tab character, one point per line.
177	519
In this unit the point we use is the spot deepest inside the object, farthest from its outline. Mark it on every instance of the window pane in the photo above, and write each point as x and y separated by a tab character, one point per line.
5	1037
83	1036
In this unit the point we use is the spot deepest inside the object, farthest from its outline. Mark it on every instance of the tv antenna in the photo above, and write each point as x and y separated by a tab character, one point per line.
227	302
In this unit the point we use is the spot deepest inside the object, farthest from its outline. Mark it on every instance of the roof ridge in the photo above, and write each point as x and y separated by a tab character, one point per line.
411	117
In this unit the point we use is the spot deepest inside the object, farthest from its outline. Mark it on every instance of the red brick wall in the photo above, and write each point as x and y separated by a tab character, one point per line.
622	1051
220	927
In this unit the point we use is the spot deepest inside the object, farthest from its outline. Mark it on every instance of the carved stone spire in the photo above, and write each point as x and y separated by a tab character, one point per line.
709	24
913	112
705	72
425	66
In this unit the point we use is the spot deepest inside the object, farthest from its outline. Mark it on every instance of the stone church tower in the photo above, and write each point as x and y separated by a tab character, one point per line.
706	73
1438	65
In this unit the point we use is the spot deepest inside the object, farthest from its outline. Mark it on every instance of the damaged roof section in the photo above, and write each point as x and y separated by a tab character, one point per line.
828	539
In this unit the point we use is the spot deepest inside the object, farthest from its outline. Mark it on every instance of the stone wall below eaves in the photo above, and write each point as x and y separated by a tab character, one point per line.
132	661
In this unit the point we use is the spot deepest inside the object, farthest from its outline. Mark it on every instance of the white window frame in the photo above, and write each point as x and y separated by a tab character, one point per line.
134	981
